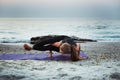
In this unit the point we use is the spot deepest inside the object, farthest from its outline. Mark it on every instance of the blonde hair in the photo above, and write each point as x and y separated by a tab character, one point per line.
74	55
66	48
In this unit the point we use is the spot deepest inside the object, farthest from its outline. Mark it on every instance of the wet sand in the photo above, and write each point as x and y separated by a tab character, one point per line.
103	64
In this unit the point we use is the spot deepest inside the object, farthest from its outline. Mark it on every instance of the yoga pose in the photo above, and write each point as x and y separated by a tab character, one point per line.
59	43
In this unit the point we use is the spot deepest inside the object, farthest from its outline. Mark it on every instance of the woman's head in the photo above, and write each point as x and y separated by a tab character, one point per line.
66	48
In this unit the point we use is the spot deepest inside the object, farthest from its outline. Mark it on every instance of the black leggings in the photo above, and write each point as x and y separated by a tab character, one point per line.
45	44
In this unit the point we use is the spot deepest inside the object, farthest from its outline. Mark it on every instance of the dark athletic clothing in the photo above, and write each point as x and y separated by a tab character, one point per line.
46	41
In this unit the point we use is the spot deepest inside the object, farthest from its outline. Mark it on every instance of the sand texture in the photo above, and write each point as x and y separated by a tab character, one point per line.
103	64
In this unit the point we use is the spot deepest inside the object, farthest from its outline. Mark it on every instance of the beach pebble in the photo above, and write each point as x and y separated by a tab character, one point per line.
42	68
59	69
115	76
108	67
54	78
76	78
118	64
11	77
73	69
62	75
1	69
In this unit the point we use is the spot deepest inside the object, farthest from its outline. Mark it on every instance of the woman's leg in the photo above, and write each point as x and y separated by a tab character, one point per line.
41	48
47	41
40	44
34	40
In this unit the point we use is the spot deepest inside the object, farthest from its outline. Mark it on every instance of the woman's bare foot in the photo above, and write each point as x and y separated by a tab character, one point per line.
27	47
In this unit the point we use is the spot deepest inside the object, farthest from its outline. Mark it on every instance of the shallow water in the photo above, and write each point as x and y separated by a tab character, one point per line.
21	30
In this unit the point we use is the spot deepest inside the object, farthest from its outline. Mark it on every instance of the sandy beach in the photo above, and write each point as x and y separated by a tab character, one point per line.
103	64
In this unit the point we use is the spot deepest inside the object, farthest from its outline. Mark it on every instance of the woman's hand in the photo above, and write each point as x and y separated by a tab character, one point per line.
50	54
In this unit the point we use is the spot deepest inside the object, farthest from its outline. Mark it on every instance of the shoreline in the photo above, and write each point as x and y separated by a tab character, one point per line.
51	18
103	64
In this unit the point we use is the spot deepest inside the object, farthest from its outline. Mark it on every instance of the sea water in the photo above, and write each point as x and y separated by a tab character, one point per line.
21	30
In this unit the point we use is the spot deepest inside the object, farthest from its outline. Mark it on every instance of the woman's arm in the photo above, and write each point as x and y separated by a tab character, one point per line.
50	54
78	50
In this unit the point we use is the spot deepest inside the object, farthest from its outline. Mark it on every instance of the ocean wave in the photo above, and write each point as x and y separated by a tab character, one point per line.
21	31
3	32
14	41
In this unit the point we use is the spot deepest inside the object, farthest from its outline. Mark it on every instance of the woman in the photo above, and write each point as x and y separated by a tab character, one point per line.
61	43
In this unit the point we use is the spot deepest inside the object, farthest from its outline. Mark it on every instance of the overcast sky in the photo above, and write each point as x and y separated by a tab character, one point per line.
60	8
58	2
